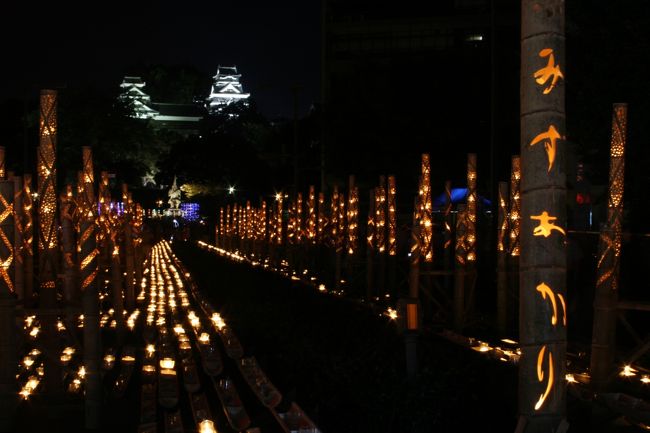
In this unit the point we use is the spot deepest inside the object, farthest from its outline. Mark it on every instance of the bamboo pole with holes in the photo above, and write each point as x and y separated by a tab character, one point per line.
87	262
8	329
129	256
28	239
502	277
47	239
19	261
603	346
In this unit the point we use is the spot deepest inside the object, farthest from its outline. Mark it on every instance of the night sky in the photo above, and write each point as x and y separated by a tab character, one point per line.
274	45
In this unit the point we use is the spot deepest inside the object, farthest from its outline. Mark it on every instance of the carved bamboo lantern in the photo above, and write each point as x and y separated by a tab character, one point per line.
502	280
515	206
8	329
392	216
472	199
353	218
47	234
322	220
603	346
28	238
425	217
88	269
542	237
19	260
311	218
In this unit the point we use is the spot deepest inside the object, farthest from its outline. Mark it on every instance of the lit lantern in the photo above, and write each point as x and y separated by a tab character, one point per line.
249	221
408	310
278	222
291	223
322	221
472	198
380	218
340	238
425	213
515	206
311	215
46	162
207	426
353	217
538	218
392	216
262	222
502	228
334	215
167	363
298	219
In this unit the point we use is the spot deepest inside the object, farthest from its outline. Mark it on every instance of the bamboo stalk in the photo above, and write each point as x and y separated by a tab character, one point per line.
542	237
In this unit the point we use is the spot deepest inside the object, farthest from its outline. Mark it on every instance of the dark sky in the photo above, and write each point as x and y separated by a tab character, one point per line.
273	44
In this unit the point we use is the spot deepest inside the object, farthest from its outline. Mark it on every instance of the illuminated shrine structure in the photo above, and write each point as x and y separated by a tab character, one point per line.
225	90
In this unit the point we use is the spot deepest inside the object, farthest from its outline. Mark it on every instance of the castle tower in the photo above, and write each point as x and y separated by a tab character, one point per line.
226	89
132	93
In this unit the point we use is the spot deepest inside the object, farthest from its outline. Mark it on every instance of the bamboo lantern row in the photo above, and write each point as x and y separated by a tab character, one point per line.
80	231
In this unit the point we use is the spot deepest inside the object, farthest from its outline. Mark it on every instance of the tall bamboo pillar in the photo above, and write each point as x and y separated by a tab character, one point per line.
112	239
425	211
334	236
391	247
542	275
68	245
514	224
129	257
470	235
380	234
28	239
88	269
19	261
219	238
603	346
228	245
340	239
411	332
8	329
311	229
460	262
502	276
370	246
47	239
278	228
352	220
137	242
447	235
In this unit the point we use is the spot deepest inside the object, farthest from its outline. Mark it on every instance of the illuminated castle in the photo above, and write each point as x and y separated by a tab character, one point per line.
141	102
226	89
